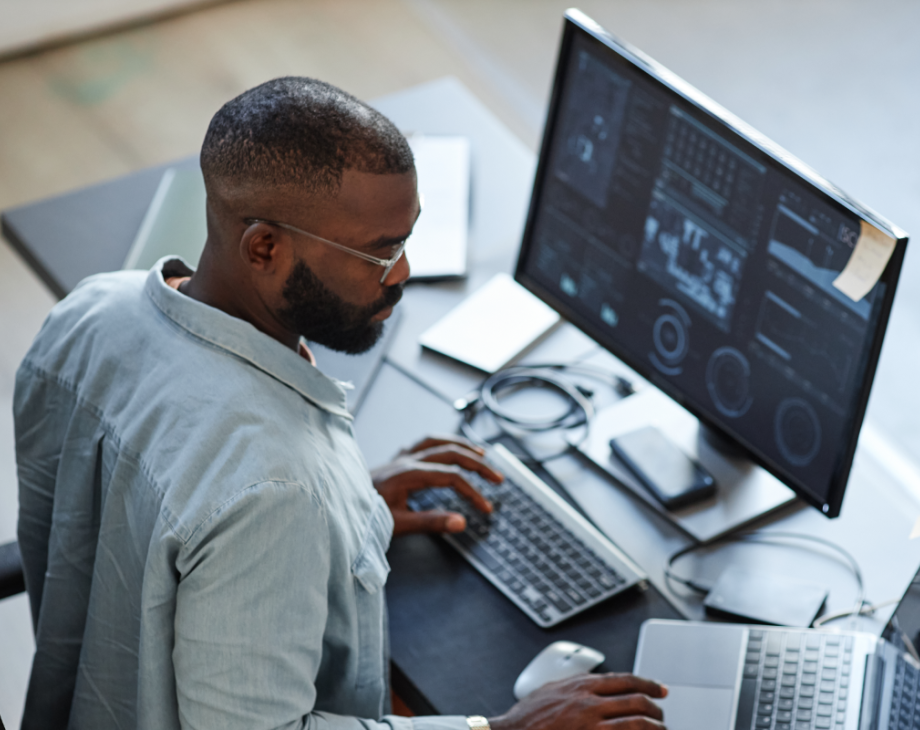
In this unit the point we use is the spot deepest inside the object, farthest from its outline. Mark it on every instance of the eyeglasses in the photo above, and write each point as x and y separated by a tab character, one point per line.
387	264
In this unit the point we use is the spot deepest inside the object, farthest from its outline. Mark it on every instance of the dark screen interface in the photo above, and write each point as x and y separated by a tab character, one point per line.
697	258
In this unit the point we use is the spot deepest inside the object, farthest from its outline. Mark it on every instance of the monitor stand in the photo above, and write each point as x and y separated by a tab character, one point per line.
745	491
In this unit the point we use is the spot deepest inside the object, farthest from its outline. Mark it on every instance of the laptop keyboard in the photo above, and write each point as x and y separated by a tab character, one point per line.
905	708
526	552
795	681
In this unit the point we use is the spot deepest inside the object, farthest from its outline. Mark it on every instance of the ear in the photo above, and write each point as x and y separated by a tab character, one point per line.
264	248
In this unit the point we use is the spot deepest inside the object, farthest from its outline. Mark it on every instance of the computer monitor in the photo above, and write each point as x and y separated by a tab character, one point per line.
704	257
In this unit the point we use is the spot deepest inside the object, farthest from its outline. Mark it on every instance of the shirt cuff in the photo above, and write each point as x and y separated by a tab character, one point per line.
439	722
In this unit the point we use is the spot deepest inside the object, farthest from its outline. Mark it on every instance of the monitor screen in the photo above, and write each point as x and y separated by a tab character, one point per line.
704	257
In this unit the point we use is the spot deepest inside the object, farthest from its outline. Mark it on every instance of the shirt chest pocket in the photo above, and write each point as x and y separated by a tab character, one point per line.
370	570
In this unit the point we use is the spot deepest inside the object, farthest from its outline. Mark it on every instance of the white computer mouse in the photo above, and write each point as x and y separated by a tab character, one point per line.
560	660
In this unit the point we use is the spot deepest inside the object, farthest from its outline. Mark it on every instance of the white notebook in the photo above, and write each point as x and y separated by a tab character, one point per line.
492	326
437	248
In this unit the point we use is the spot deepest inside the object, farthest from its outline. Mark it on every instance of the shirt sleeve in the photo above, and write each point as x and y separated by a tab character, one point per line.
248	637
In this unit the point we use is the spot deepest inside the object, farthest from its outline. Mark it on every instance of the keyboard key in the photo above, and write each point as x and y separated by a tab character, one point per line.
557	600
574	596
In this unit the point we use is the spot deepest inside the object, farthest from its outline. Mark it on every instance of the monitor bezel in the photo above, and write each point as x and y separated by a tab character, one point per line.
575	22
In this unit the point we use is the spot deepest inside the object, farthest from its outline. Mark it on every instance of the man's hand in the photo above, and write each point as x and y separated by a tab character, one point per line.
434	462
610	701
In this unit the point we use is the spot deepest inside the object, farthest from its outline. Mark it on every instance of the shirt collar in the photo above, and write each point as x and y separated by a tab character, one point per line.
242	339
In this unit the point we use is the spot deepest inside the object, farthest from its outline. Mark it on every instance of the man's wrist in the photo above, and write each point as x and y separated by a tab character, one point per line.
477	722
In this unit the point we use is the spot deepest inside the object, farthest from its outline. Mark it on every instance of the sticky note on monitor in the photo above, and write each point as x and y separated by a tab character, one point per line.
867	262
492	326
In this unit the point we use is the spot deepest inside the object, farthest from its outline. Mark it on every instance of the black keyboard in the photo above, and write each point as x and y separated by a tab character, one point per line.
905	707
534	547
795	681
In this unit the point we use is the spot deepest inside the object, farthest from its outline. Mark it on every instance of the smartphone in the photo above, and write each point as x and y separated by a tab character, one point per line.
673	478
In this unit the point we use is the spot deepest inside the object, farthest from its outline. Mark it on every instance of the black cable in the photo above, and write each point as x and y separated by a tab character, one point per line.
577	415
765	537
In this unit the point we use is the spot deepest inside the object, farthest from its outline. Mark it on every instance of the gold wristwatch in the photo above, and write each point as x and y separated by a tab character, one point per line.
477	722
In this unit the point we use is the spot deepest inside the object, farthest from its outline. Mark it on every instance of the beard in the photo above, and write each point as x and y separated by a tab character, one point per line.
321	316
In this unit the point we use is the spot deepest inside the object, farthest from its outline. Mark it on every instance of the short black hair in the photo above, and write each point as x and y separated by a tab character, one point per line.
298	131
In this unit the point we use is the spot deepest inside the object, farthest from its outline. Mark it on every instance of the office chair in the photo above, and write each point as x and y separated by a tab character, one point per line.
12	580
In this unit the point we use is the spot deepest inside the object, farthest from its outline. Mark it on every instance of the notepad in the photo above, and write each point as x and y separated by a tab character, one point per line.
491	327
175	221
437	248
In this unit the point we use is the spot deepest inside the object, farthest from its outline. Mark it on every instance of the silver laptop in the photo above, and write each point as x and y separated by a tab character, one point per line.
740	677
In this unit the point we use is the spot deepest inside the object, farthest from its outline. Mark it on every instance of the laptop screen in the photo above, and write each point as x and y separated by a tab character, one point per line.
904	628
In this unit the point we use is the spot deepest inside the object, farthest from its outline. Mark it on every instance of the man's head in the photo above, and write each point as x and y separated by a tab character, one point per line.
303	153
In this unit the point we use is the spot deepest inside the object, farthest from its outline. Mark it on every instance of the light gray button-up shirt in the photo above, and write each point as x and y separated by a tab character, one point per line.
202	543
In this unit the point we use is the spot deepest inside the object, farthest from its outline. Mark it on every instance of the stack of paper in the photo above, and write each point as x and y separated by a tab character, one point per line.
437	247
491	327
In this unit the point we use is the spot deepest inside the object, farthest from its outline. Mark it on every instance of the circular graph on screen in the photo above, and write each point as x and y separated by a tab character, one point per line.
798	431
728	378
670	337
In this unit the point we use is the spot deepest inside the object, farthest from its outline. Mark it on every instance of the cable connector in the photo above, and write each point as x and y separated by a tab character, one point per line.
466	402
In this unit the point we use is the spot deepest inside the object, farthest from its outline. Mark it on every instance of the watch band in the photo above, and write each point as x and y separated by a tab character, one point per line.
477	722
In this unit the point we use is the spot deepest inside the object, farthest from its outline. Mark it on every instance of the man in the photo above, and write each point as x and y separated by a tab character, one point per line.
202	542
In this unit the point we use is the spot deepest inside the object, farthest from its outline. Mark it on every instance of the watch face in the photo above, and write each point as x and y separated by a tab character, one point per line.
477	722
